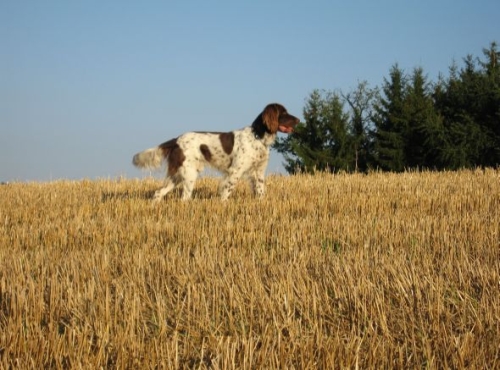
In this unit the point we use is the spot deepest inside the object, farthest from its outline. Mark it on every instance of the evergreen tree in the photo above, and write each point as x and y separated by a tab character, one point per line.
322	141
390	123
424	126
489	115
469	104
453	123
446	101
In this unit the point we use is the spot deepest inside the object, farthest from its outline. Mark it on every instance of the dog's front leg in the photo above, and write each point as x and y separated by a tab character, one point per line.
257	180
228	183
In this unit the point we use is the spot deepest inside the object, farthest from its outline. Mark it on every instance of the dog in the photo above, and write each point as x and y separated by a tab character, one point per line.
236	154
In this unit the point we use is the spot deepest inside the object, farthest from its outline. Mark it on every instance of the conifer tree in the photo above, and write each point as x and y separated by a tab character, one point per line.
424	126
413	123
490	112
390	123
322	141
469	106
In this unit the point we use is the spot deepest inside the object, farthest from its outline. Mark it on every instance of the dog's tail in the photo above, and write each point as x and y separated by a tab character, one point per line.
150	158
154	157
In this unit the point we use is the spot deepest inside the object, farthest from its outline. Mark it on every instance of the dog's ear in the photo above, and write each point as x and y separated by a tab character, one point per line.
270	117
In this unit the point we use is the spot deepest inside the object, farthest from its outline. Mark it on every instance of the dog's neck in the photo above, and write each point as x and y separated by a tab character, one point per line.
261	131
258	128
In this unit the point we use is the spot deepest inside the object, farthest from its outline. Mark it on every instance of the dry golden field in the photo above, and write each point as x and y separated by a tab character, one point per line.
345	271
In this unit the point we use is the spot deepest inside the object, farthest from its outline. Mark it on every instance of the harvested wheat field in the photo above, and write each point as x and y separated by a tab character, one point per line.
328	271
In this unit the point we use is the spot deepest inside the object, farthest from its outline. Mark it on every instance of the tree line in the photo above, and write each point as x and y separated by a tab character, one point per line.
407	123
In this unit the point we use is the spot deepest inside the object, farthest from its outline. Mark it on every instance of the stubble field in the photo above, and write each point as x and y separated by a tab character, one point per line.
344	271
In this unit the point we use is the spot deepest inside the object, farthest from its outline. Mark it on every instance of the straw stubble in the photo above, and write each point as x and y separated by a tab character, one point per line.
327	271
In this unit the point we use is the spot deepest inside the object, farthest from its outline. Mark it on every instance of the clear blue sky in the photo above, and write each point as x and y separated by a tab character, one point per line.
86	84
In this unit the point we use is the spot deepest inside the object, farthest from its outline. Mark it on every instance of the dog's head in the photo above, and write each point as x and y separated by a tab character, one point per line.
276	118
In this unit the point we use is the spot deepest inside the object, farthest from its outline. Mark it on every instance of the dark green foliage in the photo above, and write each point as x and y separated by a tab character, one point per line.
469	103
331	138
391	123
412	124
409	131
321	142
424	124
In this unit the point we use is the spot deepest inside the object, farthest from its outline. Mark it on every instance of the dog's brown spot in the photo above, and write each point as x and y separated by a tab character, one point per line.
168	146
175	160
206	152
175	155
227	141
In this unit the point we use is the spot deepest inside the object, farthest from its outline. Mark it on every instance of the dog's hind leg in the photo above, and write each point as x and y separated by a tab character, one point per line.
169	186
189	176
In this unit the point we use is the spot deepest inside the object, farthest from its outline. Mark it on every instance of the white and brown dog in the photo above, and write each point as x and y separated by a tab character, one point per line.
237	154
